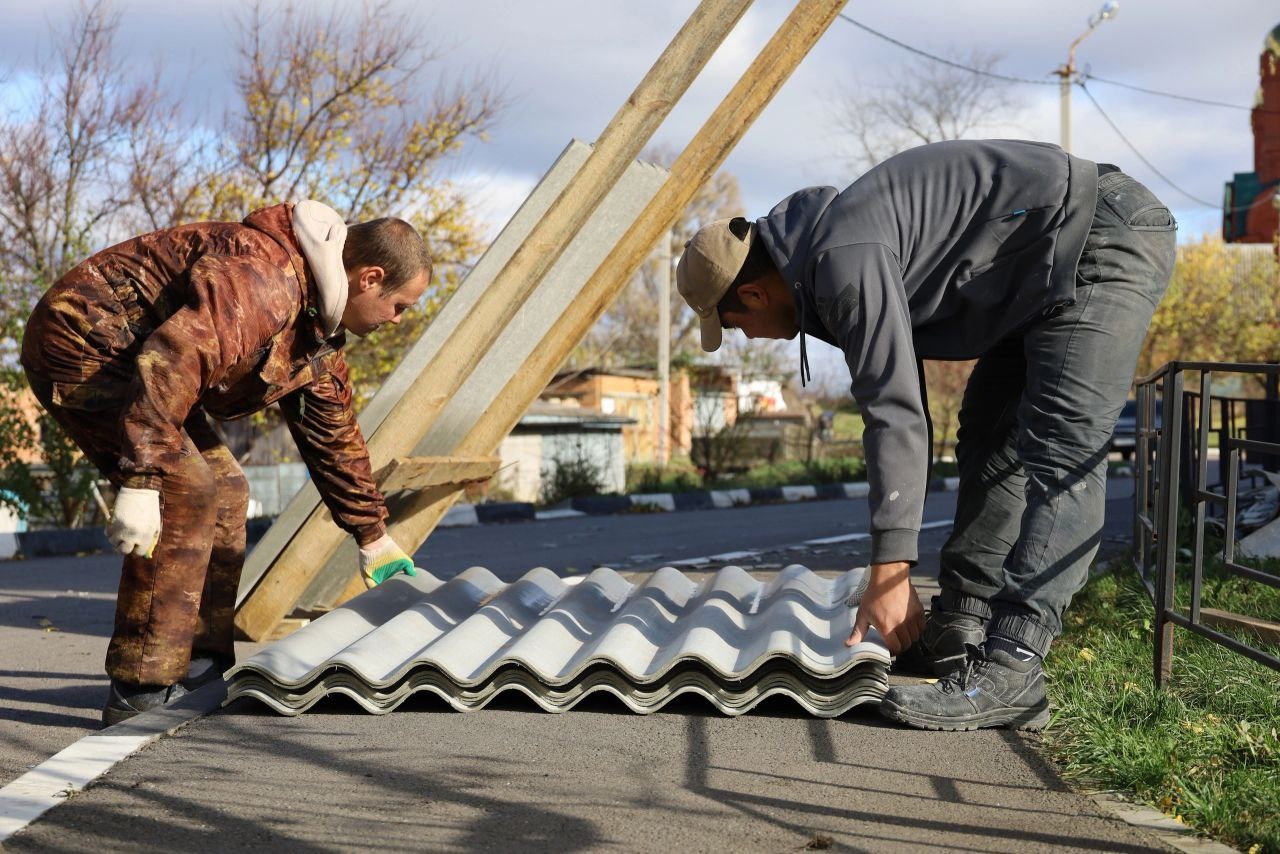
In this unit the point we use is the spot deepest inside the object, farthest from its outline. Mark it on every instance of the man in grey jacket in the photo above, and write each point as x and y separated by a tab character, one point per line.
1044	267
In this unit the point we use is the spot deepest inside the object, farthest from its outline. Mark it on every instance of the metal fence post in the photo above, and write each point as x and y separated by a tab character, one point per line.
1168	464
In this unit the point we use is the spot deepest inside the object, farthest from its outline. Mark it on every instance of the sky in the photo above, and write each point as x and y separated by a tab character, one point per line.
567	66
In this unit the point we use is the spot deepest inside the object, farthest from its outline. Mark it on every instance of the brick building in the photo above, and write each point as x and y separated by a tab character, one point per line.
1250	212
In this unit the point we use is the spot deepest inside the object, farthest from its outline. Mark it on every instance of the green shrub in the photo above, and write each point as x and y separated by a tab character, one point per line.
797	473
571	474
651	477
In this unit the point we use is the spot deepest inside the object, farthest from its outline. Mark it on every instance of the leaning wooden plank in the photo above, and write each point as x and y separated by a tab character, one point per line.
619	144
699	161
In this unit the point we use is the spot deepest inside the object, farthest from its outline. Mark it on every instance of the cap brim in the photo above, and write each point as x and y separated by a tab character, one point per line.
711	332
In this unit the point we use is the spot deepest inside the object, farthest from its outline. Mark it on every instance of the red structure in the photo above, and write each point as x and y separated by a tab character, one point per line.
1250	213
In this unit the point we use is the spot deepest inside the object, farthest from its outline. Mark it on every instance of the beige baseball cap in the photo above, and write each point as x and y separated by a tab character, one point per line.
710	263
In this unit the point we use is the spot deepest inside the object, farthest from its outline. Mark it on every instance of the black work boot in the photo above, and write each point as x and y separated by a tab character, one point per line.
206	668
994	688
940	649
125	700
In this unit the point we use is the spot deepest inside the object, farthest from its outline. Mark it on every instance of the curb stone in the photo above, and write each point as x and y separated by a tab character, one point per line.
70	541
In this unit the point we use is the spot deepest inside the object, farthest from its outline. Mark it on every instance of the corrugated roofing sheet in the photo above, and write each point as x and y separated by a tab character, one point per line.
734	640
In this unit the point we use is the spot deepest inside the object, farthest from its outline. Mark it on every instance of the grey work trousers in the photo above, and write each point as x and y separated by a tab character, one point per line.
1036	423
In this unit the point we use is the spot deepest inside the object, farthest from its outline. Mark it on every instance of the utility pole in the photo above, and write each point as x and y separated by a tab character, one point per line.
1067	72
664	349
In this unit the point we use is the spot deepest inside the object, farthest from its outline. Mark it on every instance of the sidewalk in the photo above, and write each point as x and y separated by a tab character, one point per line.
425	778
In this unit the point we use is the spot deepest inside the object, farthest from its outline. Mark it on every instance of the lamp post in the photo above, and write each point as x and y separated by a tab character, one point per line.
1067	72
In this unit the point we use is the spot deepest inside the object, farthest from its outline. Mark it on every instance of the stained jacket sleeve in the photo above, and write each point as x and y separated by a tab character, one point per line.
860	297
235	305
324	427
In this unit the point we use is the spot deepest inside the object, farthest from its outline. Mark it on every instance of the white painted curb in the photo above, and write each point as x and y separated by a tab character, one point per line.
660	500
730	497
67	772
799	493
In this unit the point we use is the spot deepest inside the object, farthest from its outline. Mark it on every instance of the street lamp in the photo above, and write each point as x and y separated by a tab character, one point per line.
1067	72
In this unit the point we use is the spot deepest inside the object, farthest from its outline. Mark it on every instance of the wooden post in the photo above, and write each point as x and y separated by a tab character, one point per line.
619	144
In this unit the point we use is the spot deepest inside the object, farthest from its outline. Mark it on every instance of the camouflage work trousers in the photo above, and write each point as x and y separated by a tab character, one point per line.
181	601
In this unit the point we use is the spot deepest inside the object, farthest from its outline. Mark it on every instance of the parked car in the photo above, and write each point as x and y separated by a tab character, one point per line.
1124	440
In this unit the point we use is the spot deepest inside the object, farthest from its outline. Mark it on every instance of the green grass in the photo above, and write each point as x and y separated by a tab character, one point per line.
797	473
683	478
1206	750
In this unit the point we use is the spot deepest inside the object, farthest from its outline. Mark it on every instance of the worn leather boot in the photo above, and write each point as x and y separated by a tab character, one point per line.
125	700
993	689
940	649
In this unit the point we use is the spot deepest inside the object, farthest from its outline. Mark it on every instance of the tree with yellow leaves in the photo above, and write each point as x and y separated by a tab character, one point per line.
1223	305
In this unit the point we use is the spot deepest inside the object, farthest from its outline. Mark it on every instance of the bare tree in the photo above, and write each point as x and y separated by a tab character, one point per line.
926	101
946	382
64	160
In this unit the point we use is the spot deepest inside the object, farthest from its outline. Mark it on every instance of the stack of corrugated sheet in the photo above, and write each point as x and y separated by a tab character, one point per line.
733	640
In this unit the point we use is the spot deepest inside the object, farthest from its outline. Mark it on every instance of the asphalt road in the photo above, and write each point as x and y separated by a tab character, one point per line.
510	776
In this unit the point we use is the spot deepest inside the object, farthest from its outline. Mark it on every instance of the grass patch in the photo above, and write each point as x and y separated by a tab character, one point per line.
797	473
649	478
1207	749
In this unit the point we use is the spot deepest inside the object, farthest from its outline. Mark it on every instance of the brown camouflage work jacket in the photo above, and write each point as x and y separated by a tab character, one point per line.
218	316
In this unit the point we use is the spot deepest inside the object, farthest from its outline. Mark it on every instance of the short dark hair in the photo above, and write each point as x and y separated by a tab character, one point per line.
757	263
391	244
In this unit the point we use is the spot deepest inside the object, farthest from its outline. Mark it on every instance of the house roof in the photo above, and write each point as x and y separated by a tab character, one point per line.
734	640
541	413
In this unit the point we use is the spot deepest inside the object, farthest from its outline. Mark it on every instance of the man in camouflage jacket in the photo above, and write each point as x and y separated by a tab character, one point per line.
131	349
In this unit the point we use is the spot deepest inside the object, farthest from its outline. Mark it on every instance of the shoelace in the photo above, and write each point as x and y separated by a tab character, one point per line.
974	664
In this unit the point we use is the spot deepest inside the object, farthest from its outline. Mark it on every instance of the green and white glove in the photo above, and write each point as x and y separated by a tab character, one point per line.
135	521
382	559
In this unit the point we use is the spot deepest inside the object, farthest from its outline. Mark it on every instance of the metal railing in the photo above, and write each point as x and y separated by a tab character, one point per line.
1172	472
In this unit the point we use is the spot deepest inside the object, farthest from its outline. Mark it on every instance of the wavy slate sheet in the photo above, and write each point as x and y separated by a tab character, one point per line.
734	640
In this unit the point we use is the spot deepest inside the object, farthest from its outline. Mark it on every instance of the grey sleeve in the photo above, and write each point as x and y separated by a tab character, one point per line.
859	293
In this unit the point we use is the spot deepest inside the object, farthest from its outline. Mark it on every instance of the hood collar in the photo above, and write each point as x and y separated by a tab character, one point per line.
787	233
321	234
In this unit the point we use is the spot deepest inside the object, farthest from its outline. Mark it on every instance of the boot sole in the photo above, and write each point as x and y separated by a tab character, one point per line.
1032	719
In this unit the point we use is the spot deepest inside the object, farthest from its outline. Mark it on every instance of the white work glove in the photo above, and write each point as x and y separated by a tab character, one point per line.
135	521
382	559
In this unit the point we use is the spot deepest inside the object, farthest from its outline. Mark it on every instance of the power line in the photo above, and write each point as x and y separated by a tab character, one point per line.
1138	153
952	63
1173	95
1009	79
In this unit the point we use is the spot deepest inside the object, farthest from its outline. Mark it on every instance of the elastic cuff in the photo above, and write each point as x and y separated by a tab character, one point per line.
956	602
369	533
899	544
1021	629
143	481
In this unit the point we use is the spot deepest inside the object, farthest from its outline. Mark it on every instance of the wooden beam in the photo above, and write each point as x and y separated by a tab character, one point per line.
418	473
620	143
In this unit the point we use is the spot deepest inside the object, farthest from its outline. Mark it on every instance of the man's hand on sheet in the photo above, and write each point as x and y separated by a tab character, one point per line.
891	605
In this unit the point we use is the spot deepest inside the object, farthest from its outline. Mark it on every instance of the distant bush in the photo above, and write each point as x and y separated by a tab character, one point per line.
571	474
797	473
651	477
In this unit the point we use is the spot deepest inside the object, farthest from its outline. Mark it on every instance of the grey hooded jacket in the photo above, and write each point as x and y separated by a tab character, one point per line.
936	253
